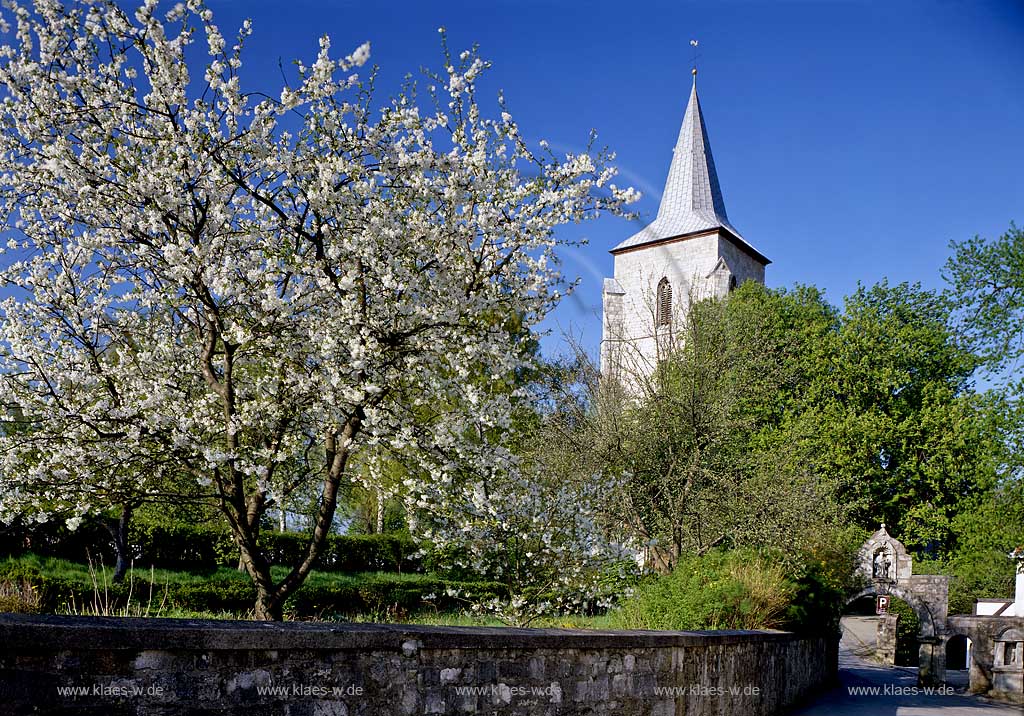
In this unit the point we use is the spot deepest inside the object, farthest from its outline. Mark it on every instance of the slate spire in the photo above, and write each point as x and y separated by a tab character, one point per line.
692	194
692	201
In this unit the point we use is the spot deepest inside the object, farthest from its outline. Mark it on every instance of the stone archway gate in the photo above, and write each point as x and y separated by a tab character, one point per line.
888	568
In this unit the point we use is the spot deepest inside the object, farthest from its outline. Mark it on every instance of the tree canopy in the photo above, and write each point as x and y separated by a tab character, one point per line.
986	278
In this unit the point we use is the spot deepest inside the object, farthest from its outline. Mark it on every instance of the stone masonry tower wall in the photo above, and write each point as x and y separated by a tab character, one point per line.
688	253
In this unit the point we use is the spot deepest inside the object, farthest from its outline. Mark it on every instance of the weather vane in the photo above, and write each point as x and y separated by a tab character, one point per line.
693	44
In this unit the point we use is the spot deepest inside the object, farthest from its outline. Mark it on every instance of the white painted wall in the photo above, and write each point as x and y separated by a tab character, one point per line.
630	338
1018	600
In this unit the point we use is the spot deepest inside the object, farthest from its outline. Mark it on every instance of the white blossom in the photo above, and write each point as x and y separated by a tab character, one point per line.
197	291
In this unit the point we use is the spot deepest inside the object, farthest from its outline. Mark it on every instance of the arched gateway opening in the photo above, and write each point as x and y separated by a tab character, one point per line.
958	653
890	637
959	660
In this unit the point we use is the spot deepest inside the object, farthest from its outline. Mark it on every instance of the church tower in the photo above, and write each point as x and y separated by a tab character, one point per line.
689	252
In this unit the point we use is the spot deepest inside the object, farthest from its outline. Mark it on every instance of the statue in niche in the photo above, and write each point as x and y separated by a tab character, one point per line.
882	566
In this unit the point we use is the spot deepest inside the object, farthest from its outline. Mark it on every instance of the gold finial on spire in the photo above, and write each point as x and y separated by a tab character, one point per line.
693	44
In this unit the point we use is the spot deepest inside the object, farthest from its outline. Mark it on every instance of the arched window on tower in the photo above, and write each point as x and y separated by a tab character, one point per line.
732	283
664	306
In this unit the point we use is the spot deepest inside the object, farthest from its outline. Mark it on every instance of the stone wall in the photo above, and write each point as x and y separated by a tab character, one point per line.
88	665
988	674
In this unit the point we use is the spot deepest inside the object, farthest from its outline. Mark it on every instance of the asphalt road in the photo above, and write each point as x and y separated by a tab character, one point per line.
869	689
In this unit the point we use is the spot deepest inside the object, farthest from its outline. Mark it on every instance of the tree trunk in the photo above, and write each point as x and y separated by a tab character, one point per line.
380	510
255	536
662	559
269	605
244	521
268	609
119	532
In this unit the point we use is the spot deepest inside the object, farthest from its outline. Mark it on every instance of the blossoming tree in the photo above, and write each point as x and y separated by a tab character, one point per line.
246	290
533	529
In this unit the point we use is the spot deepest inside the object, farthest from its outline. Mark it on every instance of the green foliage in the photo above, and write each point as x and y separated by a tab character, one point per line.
180	545
985	574
706	450
720	590
891	419
987	281
825	578
48	591
54	539
389	552
986	533
386	597
19	589
774	417
368	512
908	626
995	522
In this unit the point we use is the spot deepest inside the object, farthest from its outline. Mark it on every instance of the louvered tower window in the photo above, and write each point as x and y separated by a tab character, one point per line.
664	311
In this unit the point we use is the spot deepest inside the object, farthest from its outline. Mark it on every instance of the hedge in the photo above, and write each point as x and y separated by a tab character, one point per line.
381	595
393	552
201	547
53	539
368	594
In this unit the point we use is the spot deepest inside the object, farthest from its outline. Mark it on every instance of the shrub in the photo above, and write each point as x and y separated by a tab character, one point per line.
817	603
719	590
386	596
181	546
391	552
221	595
907	628
20	589
30	590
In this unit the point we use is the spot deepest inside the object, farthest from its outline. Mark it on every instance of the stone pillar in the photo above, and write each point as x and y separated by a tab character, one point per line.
1018	597
932	659
979	677
885	649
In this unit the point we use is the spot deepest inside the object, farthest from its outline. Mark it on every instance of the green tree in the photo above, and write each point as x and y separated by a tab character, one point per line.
892	417
703	447
986	533
987	280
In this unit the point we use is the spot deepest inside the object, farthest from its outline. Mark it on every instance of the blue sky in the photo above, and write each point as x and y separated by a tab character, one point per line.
853	139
